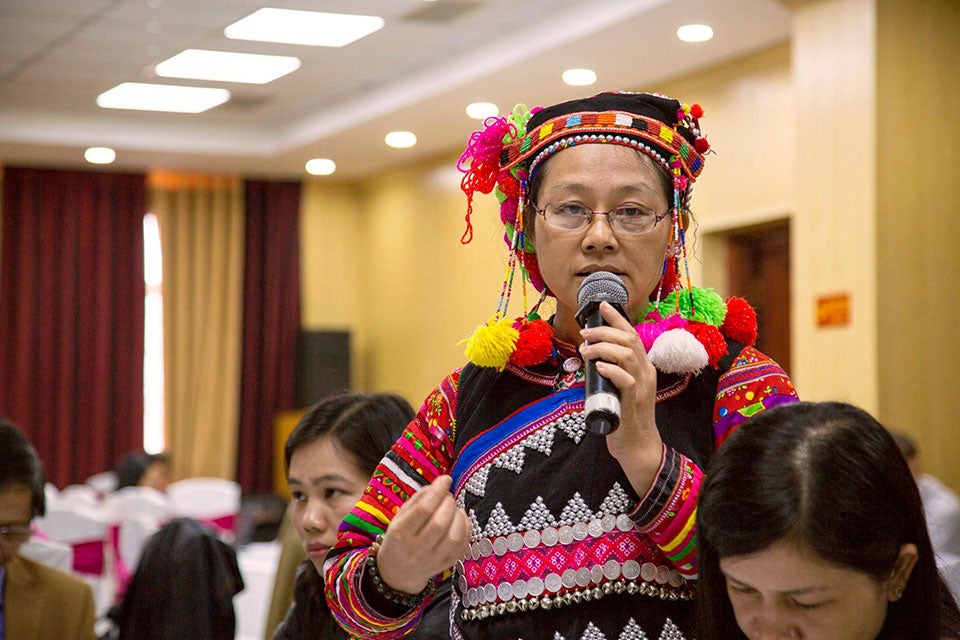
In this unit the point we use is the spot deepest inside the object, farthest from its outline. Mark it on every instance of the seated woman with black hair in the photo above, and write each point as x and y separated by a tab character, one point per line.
330	456
810	526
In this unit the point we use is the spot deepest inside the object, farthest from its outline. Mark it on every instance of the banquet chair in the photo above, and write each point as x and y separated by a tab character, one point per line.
103	483
85	530
58	555
79	493
144	503
214	502
133	514
183	587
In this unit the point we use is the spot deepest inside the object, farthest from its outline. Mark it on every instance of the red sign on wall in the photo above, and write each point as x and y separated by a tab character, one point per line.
833	310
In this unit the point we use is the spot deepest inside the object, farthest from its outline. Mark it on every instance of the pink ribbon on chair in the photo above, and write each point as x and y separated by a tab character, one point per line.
88	557
221	524
120	570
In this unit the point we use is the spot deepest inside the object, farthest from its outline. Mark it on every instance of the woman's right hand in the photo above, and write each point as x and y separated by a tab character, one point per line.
426	537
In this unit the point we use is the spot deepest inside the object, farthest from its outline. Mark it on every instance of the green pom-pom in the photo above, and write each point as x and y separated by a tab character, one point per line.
492	343
708	306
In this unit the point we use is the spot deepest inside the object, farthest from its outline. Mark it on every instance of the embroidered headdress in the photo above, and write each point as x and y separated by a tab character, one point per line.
504	157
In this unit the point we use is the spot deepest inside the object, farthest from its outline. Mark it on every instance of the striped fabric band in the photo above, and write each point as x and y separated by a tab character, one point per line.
616	123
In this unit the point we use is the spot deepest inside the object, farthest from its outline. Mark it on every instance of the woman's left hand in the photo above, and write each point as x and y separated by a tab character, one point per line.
622	359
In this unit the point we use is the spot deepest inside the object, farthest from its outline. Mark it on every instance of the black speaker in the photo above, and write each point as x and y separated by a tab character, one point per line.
323	365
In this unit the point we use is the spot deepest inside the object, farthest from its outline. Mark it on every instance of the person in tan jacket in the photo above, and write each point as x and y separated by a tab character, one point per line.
37	601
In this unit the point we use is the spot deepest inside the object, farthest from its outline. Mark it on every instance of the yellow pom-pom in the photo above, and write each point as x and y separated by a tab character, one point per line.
492	343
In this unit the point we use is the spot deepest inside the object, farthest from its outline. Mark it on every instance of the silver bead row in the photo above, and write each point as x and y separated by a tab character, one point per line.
576	597
584	577
550	536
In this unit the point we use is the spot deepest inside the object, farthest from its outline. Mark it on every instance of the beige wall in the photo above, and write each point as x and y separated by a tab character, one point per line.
918	226
800	132
833	235
749	177
384	259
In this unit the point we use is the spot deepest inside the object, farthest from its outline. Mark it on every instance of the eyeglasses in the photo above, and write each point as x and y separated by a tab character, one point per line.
573	216
15	534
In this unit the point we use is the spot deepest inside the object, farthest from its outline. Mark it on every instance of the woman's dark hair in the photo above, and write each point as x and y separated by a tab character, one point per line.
365	425
20	465
134	465
826	477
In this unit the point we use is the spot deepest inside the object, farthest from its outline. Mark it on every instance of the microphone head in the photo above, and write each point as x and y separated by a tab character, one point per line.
602	285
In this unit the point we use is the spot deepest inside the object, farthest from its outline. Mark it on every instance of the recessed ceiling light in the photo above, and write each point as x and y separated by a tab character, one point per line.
201	64
579	77
695	33
482	110
400	139
160	97
315	28
99	155
321	166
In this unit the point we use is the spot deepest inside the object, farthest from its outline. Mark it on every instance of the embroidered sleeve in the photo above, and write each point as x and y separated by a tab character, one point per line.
424	452
753	383
667	514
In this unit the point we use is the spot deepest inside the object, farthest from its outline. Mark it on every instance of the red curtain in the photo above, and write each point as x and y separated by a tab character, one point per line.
271	319
71	316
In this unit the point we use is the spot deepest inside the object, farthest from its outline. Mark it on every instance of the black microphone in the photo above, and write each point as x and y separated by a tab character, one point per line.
602	406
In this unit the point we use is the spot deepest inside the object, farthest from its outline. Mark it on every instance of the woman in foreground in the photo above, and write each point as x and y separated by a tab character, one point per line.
811	527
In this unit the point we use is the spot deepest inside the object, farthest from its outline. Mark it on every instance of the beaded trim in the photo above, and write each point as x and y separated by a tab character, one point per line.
613	126
631	587
407	600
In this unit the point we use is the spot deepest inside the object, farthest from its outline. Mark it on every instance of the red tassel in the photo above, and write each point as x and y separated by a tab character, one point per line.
701	145
696	111
740	323
509	185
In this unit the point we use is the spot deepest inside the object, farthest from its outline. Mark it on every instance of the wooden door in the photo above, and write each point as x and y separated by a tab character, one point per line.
760	272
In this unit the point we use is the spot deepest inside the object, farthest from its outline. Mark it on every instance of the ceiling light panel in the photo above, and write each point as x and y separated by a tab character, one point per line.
314	28
695	33
158	97
224	66
579	77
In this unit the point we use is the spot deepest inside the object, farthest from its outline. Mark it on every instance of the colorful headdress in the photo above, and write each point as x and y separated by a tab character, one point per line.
504	157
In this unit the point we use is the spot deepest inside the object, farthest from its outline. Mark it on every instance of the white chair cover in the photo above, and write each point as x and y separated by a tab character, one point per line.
79	493
103	483
54	554
85	529
213	501
139	503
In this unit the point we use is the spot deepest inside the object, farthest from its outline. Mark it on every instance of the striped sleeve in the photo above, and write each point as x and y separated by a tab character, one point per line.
423	453
668	513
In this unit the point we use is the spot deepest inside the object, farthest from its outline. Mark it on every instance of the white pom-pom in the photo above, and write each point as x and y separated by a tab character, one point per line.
678	351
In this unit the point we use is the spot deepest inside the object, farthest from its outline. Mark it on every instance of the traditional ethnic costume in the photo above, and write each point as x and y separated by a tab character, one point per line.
562	546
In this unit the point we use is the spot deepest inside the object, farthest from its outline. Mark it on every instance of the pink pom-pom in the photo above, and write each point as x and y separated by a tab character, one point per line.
508	212
674	321
648	332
